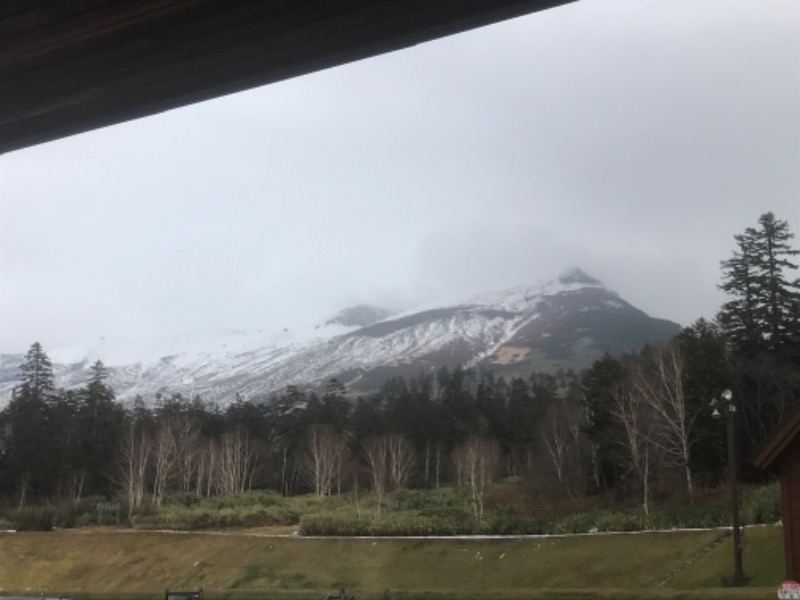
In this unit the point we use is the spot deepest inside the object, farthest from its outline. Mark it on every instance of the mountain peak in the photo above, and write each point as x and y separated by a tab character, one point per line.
362	315
576	275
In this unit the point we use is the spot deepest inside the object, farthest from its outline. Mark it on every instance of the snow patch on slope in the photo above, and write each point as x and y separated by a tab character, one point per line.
219	364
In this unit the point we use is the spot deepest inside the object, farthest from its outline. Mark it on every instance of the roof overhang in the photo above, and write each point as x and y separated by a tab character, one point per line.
768	455
69	66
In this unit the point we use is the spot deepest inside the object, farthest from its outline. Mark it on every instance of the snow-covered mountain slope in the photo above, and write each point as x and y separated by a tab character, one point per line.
565	323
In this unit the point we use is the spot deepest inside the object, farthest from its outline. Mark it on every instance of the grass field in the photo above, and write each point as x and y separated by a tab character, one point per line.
94	564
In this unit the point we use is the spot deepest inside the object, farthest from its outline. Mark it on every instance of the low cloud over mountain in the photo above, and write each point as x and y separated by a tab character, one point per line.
562	324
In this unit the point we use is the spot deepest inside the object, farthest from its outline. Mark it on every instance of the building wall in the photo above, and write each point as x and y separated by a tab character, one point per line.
790	509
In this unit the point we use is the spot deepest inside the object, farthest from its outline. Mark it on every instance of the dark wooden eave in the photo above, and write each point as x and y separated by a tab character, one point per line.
68	66
768	455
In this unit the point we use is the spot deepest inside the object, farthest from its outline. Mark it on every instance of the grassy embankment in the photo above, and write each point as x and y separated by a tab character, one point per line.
103	564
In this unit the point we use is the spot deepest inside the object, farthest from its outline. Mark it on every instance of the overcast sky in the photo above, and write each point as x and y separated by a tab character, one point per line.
632	138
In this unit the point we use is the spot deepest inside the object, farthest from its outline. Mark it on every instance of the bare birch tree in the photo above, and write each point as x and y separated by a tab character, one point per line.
164	457
376	453
630	411
325	452
661	387
134	459
402	458
187	450
432	461
561	435
206	468
237	462
477	461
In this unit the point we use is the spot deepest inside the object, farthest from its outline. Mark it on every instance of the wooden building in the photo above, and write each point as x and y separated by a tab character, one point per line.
780	454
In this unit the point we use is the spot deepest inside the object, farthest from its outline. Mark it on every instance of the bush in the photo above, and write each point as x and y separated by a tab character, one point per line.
691	513
761	504
181	499
621	521
243	499
409	500
508	523
388	525
34	519
193	519
577	523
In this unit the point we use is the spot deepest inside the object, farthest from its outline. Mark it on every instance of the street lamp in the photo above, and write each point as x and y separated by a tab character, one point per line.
724	408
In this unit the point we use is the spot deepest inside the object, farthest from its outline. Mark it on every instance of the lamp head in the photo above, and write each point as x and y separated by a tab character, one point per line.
727	395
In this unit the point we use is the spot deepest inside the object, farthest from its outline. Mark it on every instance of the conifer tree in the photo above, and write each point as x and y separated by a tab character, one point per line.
101	425
598	386
762	323
36	374
31	451
764	309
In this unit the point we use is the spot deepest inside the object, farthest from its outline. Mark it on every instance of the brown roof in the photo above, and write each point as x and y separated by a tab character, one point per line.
767	455
68	66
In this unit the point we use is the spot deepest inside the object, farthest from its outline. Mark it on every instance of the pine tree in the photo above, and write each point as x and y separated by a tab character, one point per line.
738	315
36	374
779	298
100	426
762	323
598	385
31	449
764	309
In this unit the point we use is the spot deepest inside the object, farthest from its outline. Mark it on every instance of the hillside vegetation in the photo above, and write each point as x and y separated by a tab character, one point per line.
510	507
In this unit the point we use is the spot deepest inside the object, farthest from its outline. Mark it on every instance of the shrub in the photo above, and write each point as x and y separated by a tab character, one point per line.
761	504
707	512
197	518
407	524
448	513
181	499
327	524
410	500
632	520
508	523
34	519
577	523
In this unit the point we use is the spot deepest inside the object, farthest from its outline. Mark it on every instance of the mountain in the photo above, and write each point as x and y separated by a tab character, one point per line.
362	315
562	324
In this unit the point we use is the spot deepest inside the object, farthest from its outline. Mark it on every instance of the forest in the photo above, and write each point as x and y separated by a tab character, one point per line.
631	429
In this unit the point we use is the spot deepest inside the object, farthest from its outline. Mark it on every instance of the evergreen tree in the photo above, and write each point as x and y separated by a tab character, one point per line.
100	427
762	322
523	418
36	374
335	408
764	309
779	309
598	386
31	451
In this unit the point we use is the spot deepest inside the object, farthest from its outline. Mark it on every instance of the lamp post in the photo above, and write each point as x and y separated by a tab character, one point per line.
724	408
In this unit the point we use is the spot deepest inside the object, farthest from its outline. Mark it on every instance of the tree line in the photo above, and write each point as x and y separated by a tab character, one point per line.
632	427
